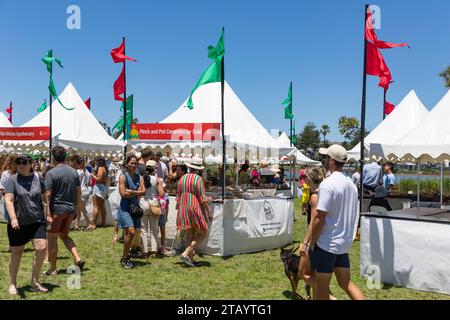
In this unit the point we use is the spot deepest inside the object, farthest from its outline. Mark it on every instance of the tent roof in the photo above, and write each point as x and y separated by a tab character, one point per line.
242	130
283	141
240	124
409	112
77	129
4	122
429	140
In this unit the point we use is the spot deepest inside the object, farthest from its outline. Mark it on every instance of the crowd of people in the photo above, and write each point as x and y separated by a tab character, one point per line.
43	203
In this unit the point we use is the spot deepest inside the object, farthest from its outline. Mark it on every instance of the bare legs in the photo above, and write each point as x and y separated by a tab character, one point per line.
194	238
14	263
127	240
82	209
40	246
53	250
343	279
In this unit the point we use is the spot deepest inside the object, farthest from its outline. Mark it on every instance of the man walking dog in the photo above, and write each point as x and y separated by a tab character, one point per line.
332	228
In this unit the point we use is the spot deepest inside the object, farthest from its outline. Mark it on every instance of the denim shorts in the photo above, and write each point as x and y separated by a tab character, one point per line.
124	220
162	220
100	191
324	262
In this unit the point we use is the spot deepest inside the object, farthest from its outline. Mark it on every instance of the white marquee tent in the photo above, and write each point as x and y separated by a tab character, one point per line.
4	122
283	141
409	113
428	141
242	130
76	129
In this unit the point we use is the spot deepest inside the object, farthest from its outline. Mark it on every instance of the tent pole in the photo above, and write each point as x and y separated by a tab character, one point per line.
224	162
418	183
442	181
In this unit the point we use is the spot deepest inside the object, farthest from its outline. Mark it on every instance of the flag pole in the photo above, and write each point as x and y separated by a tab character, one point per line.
50	116
10	115
124	105
384	104
363	117
290	128
224	161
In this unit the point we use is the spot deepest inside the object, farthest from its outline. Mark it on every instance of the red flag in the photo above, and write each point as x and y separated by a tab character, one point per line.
118	54
119	86
372	36
388	107
9	111
88	103
376	66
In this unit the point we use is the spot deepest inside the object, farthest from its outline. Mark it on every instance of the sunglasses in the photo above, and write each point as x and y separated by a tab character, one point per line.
21	162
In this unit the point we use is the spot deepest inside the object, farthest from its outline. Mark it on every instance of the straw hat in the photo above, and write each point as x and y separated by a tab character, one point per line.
263	163
275	169
193	166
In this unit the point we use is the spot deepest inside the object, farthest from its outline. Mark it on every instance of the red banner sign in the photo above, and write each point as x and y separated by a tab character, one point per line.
25	133
175	131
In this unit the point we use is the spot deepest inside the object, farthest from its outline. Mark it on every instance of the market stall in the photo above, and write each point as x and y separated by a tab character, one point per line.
407	248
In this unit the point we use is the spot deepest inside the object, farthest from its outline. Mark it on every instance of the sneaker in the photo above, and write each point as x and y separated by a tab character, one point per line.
126	263
187	261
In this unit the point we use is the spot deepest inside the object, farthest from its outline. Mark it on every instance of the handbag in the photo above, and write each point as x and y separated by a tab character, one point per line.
135	209
155	207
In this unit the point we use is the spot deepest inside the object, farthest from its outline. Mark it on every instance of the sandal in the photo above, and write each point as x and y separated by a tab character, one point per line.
38	288
48	273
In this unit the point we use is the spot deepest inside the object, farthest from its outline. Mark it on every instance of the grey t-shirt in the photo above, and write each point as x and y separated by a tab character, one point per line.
27	192
63	182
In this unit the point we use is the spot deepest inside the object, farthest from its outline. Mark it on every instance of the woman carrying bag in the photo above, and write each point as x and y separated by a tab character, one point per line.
131	188
152	210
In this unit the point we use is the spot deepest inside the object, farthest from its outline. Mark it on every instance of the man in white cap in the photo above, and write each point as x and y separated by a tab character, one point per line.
332	228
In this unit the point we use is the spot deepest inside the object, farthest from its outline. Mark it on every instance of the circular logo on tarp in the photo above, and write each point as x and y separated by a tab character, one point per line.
268	210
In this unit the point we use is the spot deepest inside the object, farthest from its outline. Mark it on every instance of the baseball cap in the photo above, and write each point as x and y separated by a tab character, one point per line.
335	152
24	157
151	164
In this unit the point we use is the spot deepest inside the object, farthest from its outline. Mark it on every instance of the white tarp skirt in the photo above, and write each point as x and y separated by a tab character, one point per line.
412	254
243	226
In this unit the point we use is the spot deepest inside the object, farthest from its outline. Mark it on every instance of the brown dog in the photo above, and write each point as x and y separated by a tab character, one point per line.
291	263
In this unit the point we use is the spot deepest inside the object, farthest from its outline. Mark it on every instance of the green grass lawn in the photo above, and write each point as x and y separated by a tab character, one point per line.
248	276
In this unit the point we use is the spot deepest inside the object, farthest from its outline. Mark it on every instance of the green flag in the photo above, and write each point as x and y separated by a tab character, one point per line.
48	59
129	104
288	104
42	107
52	89
214	71
294	137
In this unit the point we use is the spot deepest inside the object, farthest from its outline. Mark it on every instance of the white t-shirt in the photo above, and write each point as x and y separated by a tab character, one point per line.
338	196
356	178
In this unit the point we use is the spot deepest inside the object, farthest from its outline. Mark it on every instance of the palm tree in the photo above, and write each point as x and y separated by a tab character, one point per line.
446	75
324	131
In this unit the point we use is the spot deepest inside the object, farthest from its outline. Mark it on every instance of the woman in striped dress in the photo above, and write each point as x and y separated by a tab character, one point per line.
190	198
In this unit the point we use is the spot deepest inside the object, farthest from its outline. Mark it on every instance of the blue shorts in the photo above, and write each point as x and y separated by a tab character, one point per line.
324	262
162	220
124	220
100	190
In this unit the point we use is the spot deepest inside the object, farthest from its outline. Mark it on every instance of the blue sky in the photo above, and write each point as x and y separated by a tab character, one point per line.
316	44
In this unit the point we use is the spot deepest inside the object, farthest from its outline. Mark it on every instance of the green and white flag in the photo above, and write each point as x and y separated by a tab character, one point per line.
214	71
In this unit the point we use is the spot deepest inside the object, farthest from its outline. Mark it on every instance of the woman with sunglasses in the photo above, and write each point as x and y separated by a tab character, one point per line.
26	220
